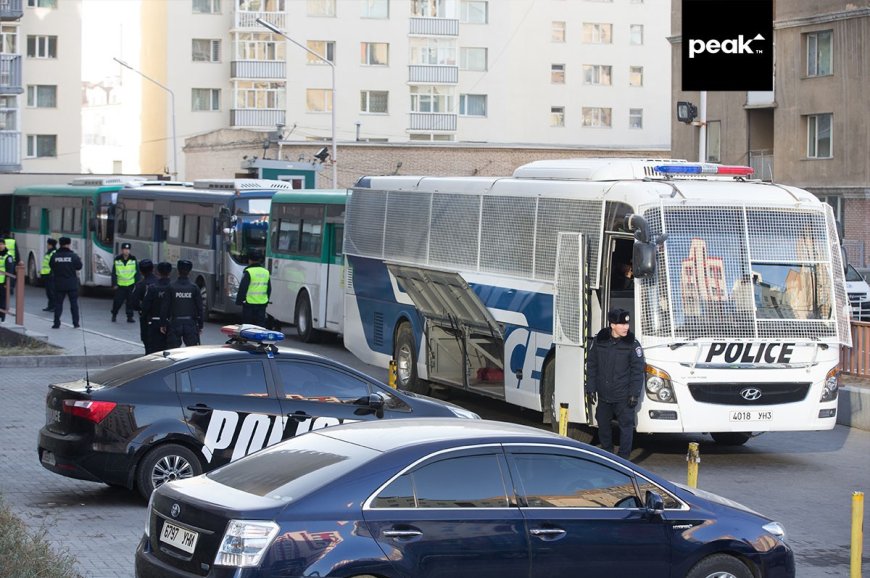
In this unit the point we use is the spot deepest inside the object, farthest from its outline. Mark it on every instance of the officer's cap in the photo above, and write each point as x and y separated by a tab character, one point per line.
618	316
64	241
126	246
164	267
146	265
52	242
255	255
184	266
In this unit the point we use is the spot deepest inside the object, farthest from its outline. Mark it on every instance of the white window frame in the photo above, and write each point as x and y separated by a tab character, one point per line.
635	115
433	51
369	50
213	98
212	53
433	8
432	99
598	74
366	101
597	33
259	46
50	4
42	46
558	32
214	6
469	15
325	48
471	54
466	99
320	8
635	72
8	39
33	96
813	139
378	9
260	95
557	116
714	141
815	56
557	74
9	112
635	34
33	148
596	117
318	100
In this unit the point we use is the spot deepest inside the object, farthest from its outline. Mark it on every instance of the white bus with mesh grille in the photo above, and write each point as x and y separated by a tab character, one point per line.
495	285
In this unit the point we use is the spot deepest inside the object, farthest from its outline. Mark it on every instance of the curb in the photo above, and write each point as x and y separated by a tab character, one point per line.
67	360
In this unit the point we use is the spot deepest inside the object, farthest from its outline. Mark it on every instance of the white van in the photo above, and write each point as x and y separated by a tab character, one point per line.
859	294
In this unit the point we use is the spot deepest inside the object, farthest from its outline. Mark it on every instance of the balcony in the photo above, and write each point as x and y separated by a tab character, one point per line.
421	73
762	162
432	121
760	99
434	26
258	70
10	151
256	117
10	74
245	19
11	9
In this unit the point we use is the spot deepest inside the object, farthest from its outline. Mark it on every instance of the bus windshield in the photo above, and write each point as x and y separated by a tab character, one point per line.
105	227
249	229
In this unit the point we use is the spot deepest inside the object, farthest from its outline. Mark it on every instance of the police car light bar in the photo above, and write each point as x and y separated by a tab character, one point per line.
248	332
704	169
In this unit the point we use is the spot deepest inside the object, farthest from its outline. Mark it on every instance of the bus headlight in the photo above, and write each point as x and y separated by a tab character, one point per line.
100	265
659	386
232	286
832	385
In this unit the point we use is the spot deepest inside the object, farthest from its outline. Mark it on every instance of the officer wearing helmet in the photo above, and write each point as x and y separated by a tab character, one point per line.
152	304
614	378
254	290
182	314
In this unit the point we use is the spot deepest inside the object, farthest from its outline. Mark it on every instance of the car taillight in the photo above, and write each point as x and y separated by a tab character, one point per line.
95	411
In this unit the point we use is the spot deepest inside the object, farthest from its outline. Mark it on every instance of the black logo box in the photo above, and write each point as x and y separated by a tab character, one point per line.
727	45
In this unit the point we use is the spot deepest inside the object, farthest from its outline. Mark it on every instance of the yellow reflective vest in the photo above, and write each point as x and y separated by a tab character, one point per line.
258	288
46	263
125	272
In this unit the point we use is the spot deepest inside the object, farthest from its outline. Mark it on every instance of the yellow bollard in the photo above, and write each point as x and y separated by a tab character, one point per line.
694	458
563	419
857	533
391	380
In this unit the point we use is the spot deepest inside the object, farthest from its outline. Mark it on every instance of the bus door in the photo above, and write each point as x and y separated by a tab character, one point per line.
88	237
333	275
570	309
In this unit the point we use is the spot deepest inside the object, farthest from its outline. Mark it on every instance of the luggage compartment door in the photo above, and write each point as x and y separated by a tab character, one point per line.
569	321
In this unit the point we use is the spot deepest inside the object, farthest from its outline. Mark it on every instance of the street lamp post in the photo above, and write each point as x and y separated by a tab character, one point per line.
279	32
174	172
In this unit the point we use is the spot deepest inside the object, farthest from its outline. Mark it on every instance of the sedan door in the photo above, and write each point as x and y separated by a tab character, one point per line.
231	408
452	516
584	516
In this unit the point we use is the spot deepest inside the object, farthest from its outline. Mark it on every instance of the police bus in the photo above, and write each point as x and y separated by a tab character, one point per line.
83	210
214	224
495	286
305	260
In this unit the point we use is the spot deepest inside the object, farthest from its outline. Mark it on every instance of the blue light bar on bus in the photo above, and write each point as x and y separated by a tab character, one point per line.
704	169
248	332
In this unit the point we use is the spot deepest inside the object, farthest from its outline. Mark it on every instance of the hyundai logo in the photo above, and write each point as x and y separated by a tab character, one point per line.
175	510
750	393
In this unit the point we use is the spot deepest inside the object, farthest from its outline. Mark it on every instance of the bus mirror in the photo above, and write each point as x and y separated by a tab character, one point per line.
638	225
122	226
643	259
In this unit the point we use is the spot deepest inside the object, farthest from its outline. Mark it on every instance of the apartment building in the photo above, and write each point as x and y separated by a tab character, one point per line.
813	129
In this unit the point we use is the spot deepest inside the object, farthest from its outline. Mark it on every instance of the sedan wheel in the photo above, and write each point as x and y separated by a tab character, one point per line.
720	566
165	464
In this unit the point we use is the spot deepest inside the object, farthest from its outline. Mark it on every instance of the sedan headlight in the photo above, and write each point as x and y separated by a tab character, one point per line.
245	542
775	529
462	412
832	385
659	386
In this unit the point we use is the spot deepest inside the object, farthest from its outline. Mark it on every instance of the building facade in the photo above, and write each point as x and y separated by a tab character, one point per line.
813	129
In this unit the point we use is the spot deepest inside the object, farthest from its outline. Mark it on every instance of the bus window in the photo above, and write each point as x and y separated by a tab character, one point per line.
55	219
146	224
312	230
174	228
205	231
288	236
21	218
131	218
338	241
189	230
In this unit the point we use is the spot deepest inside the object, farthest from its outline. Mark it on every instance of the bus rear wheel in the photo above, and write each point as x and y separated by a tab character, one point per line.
304	320
405	356
731	438
551	411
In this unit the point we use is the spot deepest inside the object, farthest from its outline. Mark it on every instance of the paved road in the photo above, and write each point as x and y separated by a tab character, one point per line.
804	480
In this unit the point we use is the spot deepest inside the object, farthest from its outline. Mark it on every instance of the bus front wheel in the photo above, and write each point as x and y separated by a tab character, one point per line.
31	271
405	356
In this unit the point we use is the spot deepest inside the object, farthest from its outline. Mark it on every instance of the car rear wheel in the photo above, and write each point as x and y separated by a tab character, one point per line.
405	355
731	438
548	404
164	464
720	566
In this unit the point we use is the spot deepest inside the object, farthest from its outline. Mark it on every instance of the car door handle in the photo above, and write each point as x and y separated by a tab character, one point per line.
402	533
199	407
547	533
299	416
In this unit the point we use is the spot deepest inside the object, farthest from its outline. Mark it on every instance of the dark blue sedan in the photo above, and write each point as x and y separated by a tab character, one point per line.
449	498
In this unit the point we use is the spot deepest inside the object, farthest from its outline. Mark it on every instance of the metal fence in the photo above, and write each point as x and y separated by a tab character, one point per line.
855	360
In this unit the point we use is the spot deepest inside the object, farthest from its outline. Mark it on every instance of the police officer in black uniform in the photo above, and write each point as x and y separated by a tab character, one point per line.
182	313
614	378
146	268
152	304
65	264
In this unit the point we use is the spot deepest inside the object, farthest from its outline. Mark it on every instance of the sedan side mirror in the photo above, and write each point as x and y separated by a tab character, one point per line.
654	503
372	403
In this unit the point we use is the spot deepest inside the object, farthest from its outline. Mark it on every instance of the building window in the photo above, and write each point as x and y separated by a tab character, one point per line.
432	99
376	8
318	100
557	116
258	46
635	75
9	39
435	51
473	12
206	6
558	34
596	117
597	33
472	105
42	3
325	48
374	53
819	55
262	5
433	8
597	74
472	58
321	8
374	101
42	95
635	118
206	50
206	99
8	112
254	94
636	34
41	145
430	137
557	73
836	203
714	144
819	136
42	46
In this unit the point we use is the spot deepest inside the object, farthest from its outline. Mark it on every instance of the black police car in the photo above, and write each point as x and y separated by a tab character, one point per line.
180	412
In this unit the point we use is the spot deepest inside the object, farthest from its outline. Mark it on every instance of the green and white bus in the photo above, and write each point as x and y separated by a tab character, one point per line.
306	260
83	210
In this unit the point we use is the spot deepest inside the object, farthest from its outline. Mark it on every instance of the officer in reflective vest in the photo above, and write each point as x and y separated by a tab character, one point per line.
13	252
254	291
182	314
7	263
146	268
124	277
152	304
45	273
